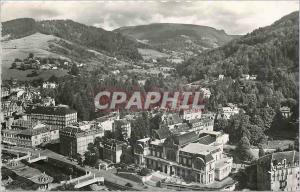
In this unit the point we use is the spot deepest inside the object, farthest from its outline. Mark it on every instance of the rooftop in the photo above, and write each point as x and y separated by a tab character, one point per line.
180	128
284	108
202	120
163	132
121	121
107	117
207	140
158	142
185	138
289	156
30	131
171	119
215	133
144	139
198	148
50	110
113	142
24	123
77	132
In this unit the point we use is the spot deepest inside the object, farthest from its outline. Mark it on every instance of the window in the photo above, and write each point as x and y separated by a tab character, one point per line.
284	162
189	162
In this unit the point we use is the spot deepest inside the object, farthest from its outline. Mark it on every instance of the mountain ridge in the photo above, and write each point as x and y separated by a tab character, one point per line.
92	37
183	24
271	53
177	37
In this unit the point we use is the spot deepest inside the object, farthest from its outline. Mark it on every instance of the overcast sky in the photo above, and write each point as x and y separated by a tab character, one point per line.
233	16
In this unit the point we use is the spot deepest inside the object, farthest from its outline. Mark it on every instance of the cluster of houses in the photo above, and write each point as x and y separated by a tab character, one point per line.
227	111
142	69
184	146
43	63
244	77
15	98
153	72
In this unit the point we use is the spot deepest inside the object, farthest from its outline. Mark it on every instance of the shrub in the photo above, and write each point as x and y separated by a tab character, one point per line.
128	185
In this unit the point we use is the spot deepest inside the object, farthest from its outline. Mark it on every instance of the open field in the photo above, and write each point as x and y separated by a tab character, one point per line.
38	44
21	75
20	48
151	54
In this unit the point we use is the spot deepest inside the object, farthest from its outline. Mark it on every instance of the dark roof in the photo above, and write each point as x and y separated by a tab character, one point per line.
106	117
24	123
77	132
163	132
172	119
113	142
180	128
185	138
50	110
121	121
71	130
37	131
30	131
202	120
207	140
208	158
289	156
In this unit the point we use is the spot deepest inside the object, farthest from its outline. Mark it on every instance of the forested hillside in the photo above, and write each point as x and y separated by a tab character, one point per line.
272	54
177	37
113	44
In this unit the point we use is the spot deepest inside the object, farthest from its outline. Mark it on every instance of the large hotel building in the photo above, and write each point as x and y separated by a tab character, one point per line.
199	159
25	133
75	139
56	116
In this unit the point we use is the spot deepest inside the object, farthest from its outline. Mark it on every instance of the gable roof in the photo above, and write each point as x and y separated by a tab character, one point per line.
180	128
205	151
185	138
74	131
171	119
121	122
208	158
207	140
163	132
24	123
290	156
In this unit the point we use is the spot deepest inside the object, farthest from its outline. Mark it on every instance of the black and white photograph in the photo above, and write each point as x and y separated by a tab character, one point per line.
149	95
